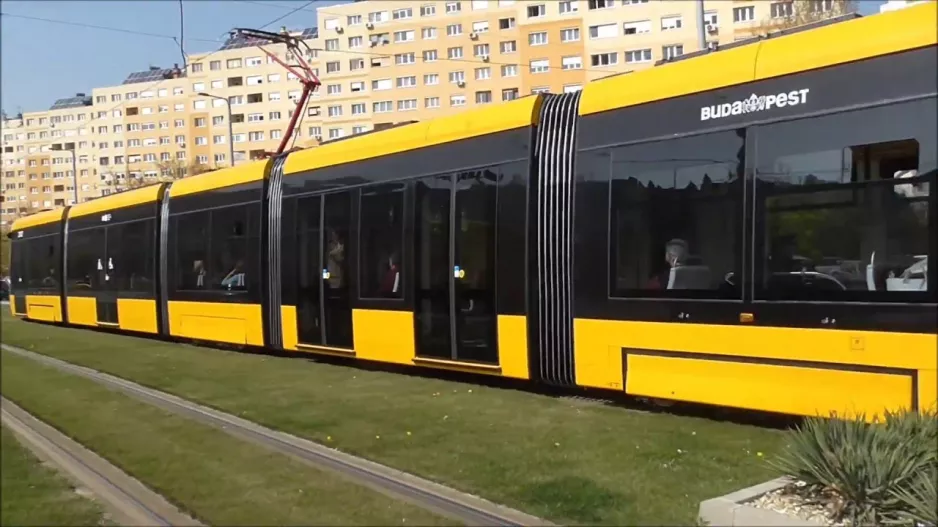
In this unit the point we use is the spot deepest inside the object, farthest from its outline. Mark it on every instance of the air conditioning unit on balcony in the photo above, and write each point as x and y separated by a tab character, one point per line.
474	35
338	29
461	84
712	28
369	25
485	58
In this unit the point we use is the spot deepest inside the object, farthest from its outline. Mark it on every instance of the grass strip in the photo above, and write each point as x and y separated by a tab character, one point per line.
571	462
34	494
217	478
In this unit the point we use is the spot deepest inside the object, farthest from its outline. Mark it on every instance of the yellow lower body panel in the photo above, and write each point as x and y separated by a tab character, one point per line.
46	308
786	389
137	314
13	307
218	322
599	347
513	346
82	310
388	336
385	336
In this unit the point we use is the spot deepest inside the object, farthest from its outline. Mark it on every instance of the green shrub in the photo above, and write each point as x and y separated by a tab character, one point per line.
919	499
867	472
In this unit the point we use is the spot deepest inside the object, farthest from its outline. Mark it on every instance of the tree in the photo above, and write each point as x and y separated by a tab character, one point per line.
4	252
172	169
802	12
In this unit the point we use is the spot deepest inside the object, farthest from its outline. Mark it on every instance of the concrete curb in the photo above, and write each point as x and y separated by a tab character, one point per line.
731	510
128	501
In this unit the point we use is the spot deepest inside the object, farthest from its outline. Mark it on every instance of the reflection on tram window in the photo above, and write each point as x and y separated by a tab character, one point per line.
192	246
43	262
231	232
675	217
85	248
382	238
843	206
130	249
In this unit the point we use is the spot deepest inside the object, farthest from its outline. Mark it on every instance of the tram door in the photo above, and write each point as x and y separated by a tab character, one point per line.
106	301
456	315
324	311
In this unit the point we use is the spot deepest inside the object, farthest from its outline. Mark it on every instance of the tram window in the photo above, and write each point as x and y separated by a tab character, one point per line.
675	217
233	231
382	240
130	245
19	264
85	247
842	206
192	246
44	263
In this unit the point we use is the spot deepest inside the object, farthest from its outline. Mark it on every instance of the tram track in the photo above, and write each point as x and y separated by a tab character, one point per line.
127	500
453	504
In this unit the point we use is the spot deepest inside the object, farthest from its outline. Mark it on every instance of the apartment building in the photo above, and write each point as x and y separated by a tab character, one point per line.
380	62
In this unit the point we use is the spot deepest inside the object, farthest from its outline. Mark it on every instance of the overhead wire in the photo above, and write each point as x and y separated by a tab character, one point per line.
293	10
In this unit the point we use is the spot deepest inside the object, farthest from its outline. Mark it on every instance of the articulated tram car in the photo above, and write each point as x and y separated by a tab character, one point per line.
747	228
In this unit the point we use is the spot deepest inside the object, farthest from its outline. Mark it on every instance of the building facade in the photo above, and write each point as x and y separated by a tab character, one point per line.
380	63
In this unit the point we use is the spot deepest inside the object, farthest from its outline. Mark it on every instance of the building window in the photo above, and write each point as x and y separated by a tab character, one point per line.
483	97
569	6
382	107
603	31
744	14
406	104
404	58
510	94
635	28
509	70
431	102
457	100
404	36
672	52
427	10
429	55
669	23
407	82
572	63
536	11
453	30
540	66
781	10
480	27
402	14
428	33
638	55
571	34
509	46
604	59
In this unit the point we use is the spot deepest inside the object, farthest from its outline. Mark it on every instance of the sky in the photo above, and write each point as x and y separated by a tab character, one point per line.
42	61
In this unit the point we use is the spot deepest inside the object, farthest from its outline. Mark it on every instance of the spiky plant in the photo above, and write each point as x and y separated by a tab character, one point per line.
853	466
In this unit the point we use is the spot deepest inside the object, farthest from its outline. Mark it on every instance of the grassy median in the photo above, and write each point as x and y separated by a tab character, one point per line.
215	477
34	494
568	461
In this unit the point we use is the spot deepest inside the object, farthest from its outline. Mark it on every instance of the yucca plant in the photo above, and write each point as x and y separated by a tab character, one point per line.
856	466
919	500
